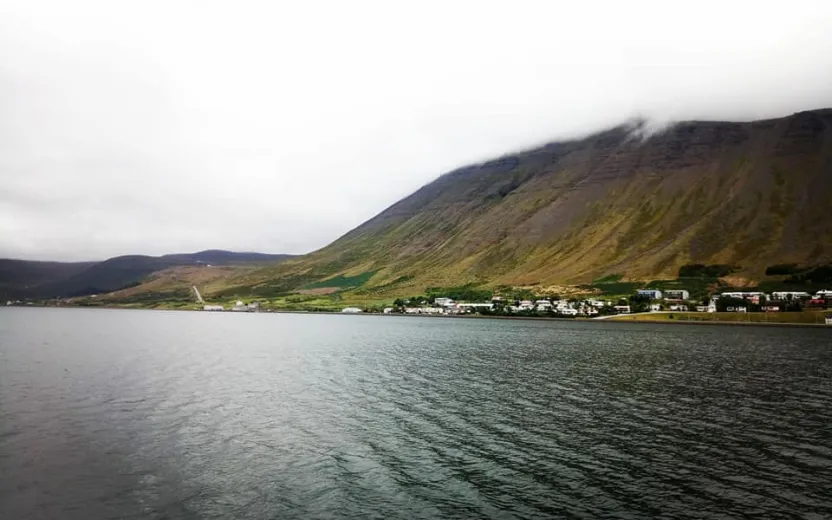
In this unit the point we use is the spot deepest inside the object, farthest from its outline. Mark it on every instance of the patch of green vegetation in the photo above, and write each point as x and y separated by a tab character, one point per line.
610	278
467	292
768	286
617	288
273	289
821	274
706	271
342	281
158	298
519	294
782	269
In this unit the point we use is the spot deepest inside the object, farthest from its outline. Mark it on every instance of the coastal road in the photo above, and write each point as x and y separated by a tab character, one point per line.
198	296
608	316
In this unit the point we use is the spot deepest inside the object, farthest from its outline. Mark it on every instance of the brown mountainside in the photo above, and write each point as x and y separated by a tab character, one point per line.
749	194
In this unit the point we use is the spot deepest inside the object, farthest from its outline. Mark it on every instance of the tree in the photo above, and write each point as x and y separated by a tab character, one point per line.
724	302
639	303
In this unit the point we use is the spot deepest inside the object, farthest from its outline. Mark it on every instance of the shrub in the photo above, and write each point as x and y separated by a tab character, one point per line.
781	269
706	271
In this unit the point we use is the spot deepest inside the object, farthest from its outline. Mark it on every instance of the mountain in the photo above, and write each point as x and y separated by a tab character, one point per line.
20	277
23	278
618	203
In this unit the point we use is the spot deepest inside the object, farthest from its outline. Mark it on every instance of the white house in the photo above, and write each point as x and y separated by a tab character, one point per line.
622	309
425	310
753	297
678	307
676	294
655	307
239	306
388	310
351	310
744	295
543	305
213	308
526	305
569	311
586	310
443	302
474	306
654	294
789	295
820	295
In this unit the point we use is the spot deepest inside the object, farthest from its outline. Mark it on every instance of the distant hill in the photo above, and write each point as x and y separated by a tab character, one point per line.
748	195
30	279
19	278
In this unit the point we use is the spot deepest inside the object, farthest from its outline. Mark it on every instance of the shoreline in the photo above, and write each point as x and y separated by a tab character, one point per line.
586	320
631	320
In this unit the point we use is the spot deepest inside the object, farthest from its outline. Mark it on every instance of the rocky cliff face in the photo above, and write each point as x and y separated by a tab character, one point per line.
748	194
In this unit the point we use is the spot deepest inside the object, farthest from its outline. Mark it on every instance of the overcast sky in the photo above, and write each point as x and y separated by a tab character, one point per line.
159	127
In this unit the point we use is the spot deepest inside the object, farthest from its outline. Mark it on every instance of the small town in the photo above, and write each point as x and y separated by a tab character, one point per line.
643	301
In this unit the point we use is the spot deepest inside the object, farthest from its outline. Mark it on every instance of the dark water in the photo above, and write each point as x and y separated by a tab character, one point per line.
141	414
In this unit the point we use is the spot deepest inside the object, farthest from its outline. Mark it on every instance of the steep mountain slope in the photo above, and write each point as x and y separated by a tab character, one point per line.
749	194
49	279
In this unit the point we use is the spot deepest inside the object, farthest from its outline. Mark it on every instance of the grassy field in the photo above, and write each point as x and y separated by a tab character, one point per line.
806	317
342	281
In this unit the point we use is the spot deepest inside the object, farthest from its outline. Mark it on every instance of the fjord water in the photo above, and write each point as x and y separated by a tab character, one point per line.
151	414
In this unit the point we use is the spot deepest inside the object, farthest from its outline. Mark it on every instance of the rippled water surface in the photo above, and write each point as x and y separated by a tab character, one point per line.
145	414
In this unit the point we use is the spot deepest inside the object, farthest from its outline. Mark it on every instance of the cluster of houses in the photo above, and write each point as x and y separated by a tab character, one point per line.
448	306
9	303
237	307
677	300
651	300
673	300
